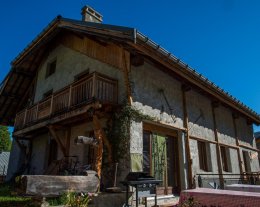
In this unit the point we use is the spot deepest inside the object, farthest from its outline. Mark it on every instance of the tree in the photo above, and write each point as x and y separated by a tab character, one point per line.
5	139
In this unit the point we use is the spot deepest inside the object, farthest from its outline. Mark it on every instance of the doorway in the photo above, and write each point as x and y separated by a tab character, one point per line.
53	151
161	160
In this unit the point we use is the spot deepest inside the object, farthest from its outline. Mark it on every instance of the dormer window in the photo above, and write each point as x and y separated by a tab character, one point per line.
51	67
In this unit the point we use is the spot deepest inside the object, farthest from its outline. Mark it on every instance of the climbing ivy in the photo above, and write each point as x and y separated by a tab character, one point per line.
118	129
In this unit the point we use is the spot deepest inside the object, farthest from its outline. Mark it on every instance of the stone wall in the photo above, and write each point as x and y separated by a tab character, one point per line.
200	116
148	83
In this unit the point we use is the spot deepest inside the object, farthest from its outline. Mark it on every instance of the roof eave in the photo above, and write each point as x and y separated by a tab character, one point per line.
216	90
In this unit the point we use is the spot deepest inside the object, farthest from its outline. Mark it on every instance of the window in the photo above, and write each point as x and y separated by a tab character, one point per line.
47	94
147	152
225	157
81	75
246	161
203	157
51	67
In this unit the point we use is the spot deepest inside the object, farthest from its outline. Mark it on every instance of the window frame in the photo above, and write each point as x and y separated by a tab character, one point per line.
51	68
203	158
246	160
225	158
47	94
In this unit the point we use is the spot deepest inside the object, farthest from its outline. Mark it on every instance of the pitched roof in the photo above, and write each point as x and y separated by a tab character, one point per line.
4	160
20	77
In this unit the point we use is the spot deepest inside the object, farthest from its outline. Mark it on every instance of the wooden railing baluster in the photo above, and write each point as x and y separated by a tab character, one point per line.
93	86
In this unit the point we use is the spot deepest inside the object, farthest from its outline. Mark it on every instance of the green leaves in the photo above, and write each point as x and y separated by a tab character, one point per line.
118	130
5	139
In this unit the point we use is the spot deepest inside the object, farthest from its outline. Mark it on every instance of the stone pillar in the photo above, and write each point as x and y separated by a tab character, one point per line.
183	160
136	146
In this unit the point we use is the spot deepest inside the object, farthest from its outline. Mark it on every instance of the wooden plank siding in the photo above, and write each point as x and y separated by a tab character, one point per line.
106	52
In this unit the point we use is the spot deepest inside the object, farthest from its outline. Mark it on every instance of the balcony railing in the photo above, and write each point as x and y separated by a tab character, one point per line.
93	87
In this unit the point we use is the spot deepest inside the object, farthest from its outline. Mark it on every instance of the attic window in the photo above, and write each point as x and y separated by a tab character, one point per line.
81	75
51	67
47	94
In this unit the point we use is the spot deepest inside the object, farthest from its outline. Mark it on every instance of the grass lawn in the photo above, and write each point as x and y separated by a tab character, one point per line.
9	200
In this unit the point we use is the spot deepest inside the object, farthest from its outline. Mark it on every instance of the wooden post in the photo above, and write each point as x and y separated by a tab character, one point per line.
57	139
51	107
185	88
101	137
220	169
126	59
94	85
25	116
67	146
235	117
70	94
37	109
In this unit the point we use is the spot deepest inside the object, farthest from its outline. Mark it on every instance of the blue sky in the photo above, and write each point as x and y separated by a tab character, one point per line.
219	38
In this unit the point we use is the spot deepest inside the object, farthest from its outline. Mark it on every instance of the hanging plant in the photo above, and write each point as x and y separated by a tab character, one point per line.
118	131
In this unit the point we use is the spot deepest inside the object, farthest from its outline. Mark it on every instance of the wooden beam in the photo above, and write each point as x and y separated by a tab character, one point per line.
58	140
161	129
220	169
250	148
187	140
234	118
24	73
126	70
101	137
203	140
67	145
137	60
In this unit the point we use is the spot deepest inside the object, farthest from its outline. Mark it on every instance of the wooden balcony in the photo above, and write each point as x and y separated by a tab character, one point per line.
94	87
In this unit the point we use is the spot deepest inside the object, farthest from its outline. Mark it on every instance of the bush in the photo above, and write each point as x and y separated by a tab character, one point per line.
73	199
7	200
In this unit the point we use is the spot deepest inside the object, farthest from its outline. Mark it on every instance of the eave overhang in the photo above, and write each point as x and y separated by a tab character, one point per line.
129	38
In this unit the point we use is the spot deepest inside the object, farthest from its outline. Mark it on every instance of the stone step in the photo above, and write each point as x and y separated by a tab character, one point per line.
162	201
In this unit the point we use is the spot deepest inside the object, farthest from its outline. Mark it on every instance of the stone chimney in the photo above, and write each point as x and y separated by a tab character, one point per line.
91	15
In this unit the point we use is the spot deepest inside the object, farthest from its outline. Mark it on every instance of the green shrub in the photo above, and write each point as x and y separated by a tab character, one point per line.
5	190
73	199
57	201
7	200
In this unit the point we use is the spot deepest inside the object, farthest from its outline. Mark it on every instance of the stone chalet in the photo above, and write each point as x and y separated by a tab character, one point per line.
66	86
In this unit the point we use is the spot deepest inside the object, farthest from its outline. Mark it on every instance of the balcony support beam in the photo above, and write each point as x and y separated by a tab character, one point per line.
57	139
101	137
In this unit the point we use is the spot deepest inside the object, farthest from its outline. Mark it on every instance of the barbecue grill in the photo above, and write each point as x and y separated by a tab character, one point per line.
144	184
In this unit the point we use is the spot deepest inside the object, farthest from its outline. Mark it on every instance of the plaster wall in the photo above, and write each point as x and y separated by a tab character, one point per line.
245	132
80	150
225	126
136	146
234	162
15	160
253	160
69	64
147	85
211	158
200	116
39	157
136	137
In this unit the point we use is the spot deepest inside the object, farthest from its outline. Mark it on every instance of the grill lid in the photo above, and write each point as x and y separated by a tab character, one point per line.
138	176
